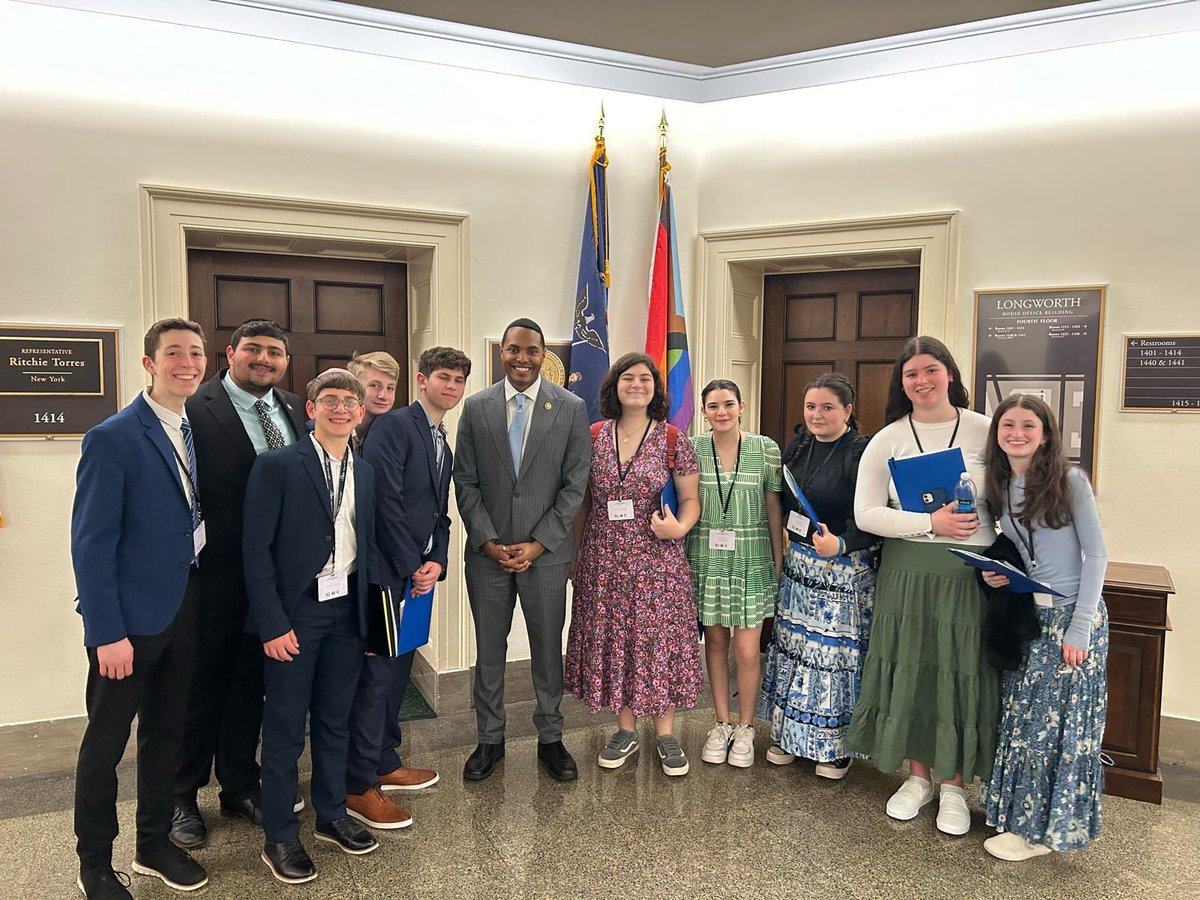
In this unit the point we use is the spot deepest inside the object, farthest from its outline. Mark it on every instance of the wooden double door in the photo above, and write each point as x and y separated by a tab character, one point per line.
854	322
331	308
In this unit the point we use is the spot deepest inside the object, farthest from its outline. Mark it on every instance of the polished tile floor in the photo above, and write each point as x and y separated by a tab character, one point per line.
763	832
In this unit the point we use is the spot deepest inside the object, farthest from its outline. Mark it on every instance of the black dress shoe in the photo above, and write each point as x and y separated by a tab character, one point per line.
480	763
102	883
187	826
558	762
347	834
248	808
289	862
174	866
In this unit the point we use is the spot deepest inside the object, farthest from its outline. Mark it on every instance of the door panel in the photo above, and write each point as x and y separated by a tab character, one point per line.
331	308
852	322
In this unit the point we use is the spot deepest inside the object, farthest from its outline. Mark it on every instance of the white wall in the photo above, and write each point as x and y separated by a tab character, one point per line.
1074	167
1069	167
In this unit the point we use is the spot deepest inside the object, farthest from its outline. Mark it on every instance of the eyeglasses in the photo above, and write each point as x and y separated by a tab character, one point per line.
332	403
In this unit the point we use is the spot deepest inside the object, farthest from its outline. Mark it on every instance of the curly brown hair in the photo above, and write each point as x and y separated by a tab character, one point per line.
1047	490
610	406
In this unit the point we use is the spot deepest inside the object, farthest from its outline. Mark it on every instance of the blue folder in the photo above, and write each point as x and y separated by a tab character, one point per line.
397	621
801	500
926	483
415	615
668	497
1018	581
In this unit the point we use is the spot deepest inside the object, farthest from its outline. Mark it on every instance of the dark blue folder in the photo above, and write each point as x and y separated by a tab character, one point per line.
1018	581
668	498
926	483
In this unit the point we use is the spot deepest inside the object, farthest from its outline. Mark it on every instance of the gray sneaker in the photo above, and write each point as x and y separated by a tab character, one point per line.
619	748
671	755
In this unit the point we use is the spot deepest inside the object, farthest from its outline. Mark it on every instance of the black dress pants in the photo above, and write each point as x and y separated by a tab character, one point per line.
318	681
225	701
154	693
374	729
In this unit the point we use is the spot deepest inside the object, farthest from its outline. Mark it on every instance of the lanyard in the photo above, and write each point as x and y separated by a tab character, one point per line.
335	504
957	422
1027	542
191	477
621	473
810	473
725	501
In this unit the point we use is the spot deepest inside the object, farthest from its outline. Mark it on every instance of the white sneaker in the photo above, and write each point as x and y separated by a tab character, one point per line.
1013	847
716	747
777	756
741	751
835	770
953	815
908	800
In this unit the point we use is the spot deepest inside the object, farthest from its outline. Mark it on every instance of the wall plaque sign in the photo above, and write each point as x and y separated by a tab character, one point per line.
1161	373
1043	341
56	381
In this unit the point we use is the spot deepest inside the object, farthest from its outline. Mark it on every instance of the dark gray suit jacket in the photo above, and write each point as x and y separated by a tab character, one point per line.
538	503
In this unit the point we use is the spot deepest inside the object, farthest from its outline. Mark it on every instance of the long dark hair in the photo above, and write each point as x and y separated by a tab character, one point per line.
898	404
610	406
1047	491
838	385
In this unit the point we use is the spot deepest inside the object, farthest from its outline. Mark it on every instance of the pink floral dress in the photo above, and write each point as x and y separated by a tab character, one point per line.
633	639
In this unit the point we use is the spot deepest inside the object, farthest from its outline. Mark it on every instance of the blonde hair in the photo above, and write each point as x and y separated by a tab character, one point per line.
378	359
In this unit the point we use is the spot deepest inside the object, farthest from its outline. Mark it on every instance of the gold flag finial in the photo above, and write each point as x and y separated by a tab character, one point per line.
600	123
662	131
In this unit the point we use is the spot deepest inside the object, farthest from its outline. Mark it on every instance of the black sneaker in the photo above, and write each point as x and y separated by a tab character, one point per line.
347	834
102	883
174	866
289	862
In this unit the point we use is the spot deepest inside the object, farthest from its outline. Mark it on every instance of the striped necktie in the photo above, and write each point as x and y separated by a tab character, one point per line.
270	429
186	428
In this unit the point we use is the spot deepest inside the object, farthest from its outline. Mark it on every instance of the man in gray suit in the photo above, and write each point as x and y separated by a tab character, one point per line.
520	470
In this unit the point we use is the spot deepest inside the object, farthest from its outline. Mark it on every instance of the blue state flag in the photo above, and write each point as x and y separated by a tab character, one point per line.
589	339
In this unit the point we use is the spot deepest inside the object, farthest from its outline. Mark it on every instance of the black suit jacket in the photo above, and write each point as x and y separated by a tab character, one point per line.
224	457
412	496
289	532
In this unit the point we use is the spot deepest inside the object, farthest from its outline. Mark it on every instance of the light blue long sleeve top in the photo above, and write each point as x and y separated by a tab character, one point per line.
1072	559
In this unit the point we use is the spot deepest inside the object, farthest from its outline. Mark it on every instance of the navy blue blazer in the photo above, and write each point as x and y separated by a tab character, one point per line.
131	528
288	531
412	497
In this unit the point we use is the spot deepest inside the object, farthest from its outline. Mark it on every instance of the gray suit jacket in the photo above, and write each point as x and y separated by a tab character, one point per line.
540	502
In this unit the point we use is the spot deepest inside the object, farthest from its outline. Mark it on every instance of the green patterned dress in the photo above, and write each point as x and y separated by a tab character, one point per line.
736	588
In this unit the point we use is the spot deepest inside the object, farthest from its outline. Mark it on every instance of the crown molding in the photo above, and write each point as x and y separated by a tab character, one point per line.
323	23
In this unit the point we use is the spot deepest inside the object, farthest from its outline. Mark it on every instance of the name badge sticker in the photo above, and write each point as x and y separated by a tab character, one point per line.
721	539
798	523
199	539
620	510
330	587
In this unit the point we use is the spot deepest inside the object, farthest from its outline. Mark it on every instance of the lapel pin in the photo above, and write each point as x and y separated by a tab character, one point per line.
549	405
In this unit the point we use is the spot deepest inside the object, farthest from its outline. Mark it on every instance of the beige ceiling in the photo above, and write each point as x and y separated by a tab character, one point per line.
712	32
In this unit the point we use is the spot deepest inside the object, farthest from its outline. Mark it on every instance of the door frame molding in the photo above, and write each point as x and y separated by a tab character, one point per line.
732	261
436	247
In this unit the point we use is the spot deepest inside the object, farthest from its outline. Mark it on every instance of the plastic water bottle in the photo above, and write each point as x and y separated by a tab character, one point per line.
964	494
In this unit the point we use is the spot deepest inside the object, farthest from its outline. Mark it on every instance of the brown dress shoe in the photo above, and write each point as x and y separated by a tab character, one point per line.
403	779
376	811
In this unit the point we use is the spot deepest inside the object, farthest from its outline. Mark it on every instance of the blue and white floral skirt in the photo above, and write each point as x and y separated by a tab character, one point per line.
814	662
1047	778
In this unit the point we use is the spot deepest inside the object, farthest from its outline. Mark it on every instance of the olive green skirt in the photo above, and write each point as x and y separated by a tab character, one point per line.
928	691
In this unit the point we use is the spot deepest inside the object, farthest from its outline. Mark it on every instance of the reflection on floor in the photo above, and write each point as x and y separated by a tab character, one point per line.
763	832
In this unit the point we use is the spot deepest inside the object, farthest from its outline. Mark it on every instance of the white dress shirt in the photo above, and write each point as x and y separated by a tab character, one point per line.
344	557
172	423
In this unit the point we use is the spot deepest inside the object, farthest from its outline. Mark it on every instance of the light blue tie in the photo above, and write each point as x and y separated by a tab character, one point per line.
516	433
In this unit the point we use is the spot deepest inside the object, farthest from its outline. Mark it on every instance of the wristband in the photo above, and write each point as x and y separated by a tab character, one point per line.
841	546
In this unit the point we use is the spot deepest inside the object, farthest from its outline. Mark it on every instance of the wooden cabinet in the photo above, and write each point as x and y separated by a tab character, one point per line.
1136	597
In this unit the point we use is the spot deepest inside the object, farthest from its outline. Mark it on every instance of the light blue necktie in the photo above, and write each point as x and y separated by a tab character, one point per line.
516	433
